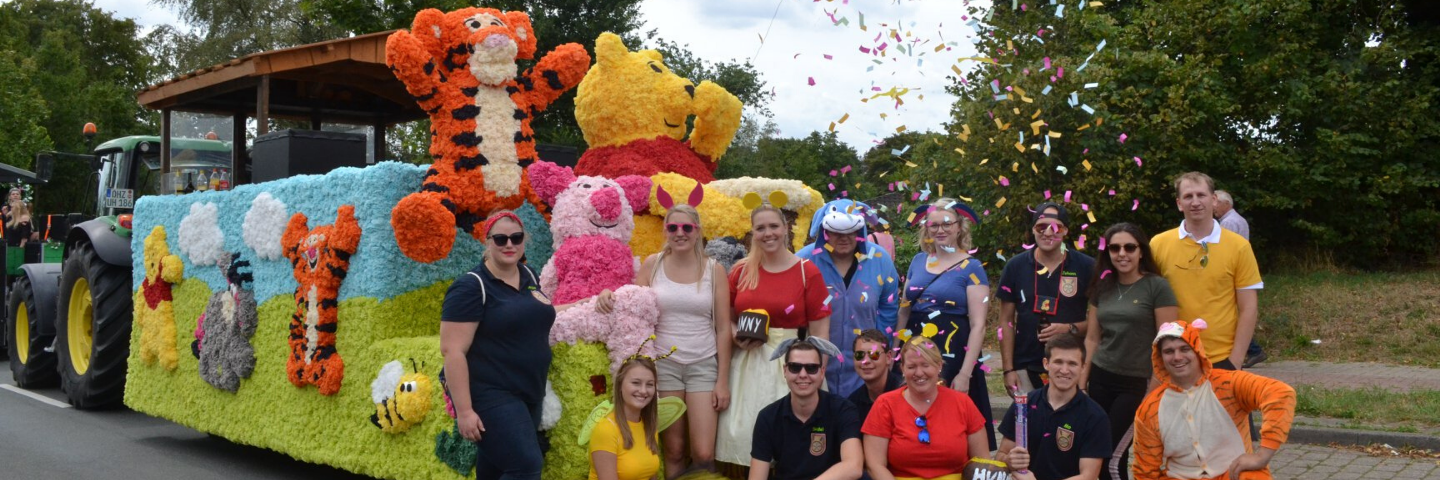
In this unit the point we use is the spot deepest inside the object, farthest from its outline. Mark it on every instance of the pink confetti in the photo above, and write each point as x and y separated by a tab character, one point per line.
1112	192
1067	196
834	173
985	368
1047	63
1024	7
1004	182
1136	205
1138	162
1028	246
1060	72
1047	194
1104	273
812	81
816	251
845	170
828	57
1102	245
1085	207
832	187
1005	288
1122	137
1000	333
789	309
864	50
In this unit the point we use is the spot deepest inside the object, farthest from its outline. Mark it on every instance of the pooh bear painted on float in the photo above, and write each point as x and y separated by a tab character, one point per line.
155	312
461	68
632	110
591	222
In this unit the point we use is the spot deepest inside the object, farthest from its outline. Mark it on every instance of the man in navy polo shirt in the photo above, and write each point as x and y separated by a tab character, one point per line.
1042	296
810	433
1068	433
872	365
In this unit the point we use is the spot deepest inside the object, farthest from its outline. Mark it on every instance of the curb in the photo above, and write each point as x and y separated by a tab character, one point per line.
1313	434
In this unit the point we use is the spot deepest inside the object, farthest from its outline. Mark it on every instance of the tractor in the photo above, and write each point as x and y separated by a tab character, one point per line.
69	308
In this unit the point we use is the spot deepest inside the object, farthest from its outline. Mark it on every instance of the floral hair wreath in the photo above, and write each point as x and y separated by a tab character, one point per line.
777	199
647	341
826	348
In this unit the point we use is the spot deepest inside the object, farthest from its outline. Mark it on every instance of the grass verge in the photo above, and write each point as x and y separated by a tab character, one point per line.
1375	406
1368	317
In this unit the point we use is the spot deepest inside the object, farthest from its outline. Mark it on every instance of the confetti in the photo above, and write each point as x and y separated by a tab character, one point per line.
789	309
1138	162
1136	205
1123	137
1104	273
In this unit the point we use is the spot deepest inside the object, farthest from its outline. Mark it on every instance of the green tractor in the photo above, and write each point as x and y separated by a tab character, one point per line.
68	316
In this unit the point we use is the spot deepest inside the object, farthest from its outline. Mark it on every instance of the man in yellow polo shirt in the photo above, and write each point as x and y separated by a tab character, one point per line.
1212	271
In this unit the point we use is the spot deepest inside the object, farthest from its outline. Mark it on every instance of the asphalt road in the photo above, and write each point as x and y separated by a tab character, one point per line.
42	438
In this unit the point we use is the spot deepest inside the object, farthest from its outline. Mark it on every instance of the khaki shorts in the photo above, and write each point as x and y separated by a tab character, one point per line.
695	377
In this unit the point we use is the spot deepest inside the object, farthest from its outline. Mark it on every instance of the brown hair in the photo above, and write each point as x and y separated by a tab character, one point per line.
1147	265
750	266
647	415
1064	341
872	335
1196	177
924	346
962	237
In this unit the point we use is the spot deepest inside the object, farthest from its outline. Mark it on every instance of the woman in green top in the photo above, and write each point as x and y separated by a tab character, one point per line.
1128	302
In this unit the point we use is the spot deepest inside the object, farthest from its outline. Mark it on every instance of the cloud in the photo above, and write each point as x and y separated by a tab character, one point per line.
803	33
146	15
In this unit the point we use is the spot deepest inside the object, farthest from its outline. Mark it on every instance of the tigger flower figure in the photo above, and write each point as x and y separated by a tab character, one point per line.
461	68
401	399
321	258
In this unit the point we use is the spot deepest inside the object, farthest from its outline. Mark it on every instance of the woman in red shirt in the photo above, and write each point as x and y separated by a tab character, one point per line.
792	293
922	430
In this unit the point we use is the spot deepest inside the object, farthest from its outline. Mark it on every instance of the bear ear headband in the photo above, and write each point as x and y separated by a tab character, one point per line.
778	199
696	196
921	211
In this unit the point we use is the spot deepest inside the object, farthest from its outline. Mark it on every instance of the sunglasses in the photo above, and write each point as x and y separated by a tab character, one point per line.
516	238
1203	254
1043	228
1129	247
924	436
810	368
675	227
874	355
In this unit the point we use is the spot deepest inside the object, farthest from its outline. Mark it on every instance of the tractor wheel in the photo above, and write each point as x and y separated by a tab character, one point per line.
30	364
93	332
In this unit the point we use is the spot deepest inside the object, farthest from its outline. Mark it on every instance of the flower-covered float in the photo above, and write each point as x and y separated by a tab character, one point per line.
633	110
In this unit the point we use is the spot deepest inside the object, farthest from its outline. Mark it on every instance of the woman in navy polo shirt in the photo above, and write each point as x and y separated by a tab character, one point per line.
494	335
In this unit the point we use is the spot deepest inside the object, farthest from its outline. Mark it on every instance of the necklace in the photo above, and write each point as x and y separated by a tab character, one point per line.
1127	290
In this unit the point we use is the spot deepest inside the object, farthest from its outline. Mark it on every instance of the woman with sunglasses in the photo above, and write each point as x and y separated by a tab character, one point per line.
862	282
495	339
691	299
945	295
923	430
1129	300
771	282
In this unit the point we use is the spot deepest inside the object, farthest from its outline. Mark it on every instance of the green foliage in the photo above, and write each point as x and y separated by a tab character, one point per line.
739	78
20	120
76	64
1316	116
808	160
224	29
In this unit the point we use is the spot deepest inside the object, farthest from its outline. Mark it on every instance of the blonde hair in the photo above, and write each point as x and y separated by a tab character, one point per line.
923	346
17	210
962	237
647	415
699	252
750	265
1196	177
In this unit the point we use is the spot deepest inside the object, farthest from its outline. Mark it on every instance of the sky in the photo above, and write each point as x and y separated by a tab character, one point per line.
797	36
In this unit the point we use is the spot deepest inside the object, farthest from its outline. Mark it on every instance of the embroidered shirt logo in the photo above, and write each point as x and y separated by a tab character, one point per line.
817	444
1069	286
1064	439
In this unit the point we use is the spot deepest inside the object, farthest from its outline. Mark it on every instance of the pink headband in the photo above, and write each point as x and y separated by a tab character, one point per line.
490	222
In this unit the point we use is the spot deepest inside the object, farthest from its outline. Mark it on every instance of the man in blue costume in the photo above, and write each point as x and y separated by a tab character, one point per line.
861	277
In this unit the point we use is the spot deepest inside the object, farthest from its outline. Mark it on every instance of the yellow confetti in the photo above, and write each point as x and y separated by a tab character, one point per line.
1086	163
1019	90
1099	121
939	47
1054	134
959	151
910	164
1016	110
843	118
1091	216
1032	164
1009	45
965	198
832	126
1036	114
1015	167
941	192
1000	203
999	124
1020	147
830	249
1096	4
965	133
1043	270
1035	126
1027	99
974	279
884	173
900	129
857	331
911	218
1083	127
957	71
984	161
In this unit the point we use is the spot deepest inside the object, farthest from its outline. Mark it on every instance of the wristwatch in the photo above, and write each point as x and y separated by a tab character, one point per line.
1074	330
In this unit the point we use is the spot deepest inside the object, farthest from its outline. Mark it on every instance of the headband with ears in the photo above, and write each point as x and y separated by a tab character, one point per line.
826	348
778	199
696	196
959	207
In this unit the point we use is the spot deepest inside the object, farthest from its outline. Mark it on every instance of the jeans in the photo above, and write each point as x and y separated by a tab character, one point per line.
510	446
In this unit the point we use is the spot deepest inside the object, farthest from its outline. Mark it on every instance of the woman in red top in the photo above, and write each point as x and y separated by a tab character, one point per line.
792	292
922	431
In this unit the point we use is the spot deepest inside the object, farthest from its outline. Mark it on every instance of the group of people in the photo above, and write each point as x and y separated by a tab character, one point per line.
15	222
857	372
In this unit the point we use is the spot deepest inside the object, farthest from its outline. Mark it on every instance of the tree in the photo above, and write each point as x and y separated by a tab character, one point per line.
20	120
87	66
808	160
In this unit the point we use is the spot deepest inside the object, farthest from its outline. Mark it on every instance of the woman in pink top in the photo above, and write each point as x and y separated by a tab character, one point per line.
692	293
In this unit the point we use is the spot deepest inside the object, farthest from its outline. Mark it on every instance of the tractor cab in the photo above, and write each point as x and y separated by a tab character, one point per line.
130	168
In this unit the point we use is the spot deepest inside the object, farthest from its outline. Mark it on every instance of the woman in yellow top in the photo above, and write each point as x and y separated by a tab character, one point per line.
620	453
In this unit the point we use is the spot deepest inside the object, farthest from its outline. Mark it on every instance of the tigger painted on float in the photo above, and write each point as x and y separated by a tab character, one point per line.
461	68
321	257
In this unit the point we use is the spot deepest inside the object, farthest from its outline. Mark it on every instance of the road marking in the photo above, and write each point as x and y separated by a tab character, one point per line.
41	398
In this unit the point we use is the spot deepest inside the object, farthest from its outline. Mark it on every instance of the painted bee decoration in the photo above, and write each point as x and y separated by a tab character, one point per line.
402	399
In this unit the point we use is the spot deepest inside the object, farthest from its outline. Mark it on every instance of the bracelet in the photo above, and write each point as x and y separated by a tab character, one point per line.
1013	370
